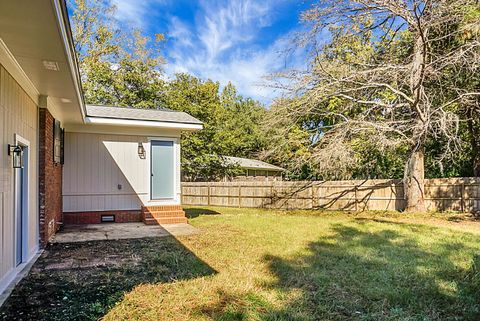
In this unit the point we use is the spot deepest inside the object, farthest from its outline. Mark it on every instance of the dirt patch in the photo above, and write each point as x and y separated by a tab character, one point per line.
465	225
82	281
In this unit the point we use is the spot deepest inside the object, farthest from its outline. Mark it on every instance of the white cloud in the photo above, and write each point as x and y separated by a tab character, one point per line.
134	12
180	32
221	27
221	43
221	46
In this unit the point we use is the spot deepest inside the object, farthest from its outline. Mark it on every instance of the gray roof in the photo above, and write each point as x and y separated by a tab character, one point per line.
251	163
160	115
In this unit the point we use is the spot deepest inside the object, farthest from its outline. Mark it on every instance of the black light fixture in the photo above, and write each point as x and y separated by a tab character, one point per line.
141	151
17	152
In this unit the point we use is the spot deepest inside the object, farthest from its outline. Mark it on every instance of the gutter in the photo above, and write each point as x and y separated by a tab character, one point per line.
264	169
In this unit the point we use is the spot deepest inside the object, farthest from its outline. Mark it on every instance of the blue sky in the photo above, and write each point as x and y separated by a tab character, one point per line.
239	41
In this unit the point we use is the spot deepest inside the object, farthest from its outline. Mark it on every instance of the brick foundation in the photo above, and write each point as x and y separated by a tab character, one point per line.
77	218
50	179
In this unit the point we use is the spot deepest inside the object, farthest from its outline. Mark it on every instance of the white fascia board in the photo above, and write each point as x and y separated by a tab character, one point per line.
263	169
141	123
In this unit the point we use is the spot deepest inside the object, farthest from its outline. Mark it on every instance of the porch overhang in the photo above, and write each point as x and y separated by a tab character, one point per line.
37	49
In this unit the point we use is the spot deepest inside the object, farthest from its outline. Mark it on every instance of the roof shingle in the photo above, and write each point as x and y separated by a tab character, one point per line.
251	163
157	115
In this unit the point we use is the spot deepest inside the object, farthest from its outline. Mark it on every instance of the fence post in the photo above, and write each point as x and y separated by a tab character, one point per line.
182	198
239	195
313	196
462	199
208	194
271	194
356	199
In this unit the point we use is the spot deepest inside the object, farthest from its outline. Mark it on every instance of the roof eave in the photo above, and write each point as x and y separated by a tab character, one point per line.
142	123
264	169
63	21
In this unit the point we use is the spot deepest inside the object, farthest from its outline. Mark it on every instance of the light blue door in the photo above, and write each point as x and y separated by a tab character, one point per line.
162	170
19	217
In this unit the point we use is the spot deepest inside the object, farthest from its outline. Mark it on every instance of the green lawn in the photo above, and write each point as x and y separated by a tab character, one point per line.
251	264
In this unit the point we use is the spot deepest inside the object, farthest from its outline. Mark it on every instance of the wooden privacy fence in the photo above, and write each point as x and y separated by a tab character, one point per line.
449	194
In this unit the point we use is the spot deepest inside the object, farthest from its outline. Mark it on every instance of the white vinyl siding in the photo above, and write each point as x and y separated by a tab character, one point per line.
18	116
95	166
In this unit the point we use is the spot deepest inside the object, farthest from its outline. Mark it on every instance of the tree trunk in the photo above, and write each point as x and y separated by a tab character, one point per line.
476	166
414	183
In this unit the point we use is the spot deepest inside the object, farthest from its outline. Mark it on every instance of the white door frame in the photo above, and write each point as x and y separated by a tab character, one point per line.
19	140
176	169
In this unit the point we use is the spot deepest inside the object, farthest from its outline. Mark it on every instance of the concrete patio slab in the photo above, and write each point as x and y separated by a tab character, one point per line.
116	231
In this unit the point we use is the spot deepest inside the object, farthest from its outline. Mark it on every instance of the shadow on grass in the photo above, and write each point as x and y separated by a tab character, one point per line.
196	212
356	274
82	281
378	276
471	217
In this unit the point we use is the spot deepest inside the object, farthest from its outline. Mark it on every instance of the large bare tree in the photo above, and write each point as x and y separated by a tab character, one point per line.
378	74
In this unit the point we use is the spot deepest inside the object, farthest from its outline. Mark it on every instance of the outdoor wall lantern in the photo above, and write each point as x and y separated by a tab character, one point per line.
17	152
141	151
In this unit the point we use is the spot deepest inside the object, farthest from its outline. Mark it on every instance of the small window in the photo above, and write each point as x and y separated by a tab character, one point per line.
261	173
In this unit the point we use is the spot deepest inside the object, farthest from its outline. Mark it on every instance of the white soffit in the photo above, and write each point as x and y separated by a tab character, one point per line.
8	61
36	35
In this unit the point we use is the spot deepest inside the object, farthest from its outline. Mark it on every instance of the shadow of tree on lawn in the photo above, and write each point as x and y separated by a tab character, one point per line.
382	275
82	281
196	212
359	274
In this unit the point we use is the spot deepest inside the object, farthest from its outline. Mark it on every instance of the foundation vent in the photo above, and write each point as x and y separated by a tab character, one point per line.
108	218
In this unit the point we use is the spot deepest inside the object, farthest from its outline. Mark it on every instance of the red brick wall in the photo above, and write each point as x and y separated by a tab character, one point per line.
96	217
50	180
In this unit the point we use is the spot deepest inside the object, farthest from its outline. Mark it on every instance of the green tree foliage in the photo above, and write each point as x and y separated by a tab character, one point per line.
231	125
118	67
464	78
288	143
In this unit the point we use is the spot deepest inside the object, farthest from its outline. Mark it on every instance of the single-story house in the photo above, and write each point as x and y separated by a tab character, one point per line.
254	169
63	161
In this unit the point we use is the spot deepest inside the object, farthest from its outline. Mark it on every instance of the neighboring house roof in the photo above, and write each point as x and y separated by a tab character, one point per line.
162	115
251	164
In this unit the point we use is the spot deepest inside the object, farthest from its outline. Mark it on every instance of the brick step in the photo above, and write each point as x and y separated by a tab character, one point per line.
164	214
162	208
173	212
165	220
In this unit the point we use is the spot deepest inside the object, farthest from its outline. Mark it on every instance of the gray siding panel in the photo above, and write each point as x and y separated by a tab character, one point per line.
18	115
